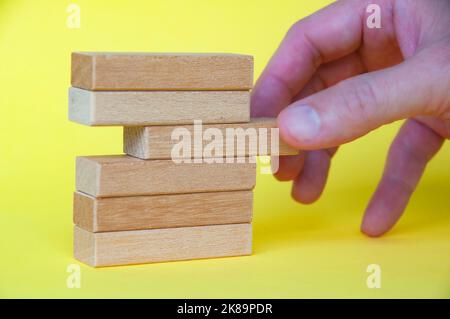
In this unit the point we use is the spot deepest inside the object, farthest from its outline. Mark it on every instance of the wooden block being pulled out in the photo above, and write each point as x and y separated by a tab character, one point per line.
121	175
158	142
161	71
128	108
159	245
162	211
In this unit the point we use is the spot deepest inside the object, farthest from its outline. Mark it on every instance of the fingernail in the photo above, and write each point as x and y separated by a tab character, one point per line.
302	122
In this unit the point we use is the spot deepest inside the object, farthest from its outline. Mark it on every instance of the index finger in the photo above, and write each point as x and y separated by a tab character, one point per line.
327	35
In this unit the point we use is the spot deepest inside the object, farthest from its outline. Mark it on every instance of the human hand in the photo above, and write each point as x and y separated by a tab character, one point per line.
334	79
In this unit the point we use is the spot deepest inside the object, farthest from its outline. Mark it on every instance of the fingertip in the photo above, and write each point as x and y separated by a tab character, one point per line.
299	125
304	197
305	194
309	185
283	177
372	230
283	127
413	147
290	167
376	221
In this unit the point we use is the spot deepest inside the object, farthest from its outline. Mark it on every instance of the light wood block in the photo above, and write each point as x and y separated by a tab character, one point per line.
161	71
155	142
129	108
159	245
162	211
121	175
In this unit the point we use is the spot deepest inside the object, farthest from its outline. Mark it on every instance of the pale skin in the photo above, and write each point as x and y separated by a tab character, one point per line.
333	80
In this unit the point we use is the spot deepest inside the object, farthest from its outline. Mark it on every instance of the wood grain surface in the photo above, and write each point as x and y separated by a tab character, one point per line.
161	211
130	108
155	142
159	245
121	175
161	71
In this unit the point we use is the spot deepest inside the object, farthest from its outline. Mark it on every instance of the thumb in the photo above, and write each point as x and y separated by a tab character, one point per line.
356	106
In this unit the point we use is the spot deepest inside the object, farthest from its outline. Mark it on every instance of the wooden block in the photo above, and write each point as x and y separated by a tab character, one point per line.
128	108
121	175
155	142
161	71
162	211
158	245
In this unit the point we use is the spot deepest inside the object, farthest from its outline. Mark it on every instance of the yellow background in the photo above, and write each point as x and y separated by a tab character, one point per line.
299	251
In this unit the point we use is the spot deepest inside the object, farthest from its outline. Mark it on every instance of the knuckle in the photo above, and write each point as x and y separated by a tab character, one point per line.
293	30
296	27
359	99
299	38
401	183
435	61
412	148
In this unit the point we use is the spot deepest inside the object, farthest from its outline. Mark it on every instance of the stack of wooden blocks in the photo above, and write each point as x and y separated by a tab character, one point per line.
146	206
